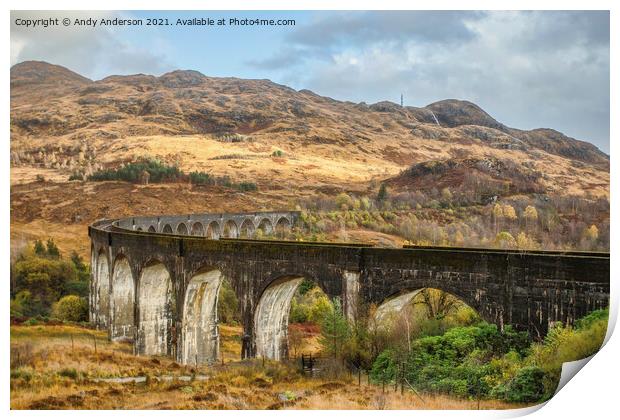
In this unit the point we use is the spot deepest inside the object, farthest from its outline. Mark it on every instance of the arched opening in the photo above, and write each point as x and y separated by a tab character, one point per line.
247	229
122	322
139	229
416	313
152	229
198	229
200	329
272	315
213	230
182	229
102	301
230	230
265	227
167	229
309	307
156	311
283	227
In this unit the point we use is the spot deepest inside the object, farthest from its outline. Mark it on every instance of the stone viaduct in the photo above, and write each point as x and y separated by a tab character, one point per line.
155	281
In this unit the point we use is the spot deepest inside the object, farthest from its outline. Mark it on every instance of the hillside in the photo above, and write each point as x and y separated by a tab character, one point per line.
292	144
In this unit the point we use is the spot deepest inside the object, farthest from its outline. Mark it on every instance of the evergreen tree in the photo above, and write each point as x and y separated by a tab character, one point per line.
52	249
39	248
334	329
383	193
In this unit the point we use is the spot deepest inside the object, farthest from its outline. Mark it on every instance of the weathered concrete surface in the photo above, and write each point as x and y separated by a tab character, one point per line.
122	308
393	306
200	332
351	294
271	319
102	293
529	290
156	311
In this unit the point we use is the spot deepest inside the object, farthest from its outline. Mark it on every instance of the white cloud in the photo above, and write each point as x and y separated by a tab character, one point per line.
93	52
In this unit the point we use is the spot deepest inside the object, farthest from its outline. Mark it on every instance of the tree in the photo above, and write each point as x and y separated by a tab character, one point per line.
509	212
531	215
446	195
498	213
383	193
228	305
71	308
384	368
592	233
505	240
52	249
459	239
525	242
39	248
334	329
78	261
295	339
45	279
437	303
344	202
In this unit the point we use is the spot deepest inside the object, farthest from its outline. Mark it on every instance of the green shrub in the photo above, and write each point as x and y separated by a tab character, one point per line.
21	373
526	386
71	308
45	279
305	286
247	186
299	312
200	178
384	368
68	373
132	172
228	305
592	318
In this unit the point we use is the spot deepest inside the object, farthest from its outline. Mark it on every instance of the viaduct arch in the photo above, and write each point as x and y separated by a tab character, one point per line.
160	288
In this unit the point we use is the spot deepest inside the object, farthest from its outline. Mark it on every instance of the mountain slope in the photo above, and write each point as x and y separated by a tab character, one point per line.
228	126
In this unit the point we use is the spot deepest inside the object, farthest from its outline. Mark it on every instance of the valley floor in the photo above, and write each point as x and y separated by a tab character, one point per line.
61	367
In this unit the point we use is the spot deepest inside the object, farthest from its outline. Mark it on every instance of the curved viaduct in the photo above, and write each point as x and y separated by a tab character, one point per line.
155	281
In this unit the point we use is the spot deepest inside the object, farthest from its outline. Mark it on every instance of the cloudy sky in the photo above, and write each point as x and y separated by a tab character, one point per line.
526	69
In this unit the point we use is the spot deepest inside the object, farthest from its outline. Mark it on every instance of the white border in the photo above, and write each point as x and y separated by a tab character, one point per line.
592	395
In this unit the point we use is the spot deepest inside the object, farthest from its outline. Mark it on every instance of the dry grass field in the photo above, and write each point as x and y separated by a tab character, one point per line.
57	367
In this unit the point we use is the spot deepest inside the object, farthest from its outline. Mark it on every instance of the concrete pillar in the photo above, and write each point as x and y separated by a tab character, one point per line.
351	291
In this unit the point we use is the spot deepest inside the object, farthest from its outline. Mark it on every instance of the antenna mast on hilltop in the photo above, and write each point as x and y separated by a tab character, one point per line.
401	100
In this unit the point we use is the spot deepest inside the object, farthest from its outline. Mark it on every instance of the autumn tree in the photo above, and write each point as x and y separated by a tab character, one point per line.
509	213
531	215
436	303
498	213
505	240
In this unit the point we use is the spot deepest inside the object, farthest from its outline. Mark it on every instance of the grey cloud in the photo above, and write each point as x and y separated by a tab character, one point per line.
432	26
527	69
284	58
325	35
